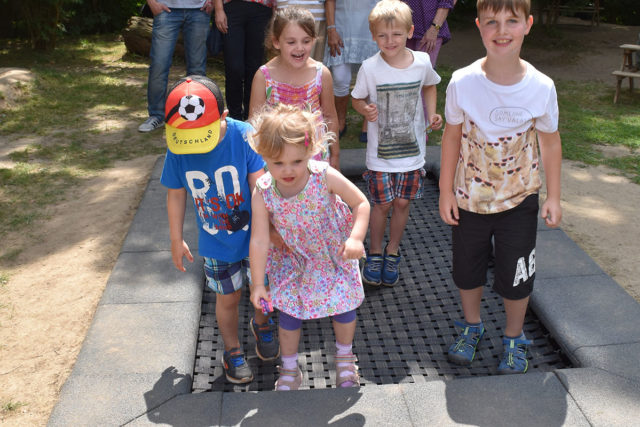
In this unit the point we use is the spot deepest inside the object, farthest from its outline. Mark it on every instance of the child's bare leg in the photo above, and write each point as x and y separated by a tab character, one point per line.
471	299
515	311
344	332
377	225
398	222
289	341
227	318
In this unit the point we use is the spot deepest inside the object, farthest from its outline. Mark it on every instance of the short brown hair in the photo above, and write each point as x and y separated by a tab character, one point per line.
388	11
498	5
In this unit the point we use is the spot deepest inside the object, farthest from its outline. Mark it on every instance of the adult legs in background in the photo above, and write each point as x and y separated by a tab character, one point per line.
166	27
195	31
243	52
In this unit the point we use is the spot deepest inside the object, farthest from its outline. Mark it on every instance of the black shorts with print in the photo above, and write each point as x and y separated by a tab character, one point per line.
514	242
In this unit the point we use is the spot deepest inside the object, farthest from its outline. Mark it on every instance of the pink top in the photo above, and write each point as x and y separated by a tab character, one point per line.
305	96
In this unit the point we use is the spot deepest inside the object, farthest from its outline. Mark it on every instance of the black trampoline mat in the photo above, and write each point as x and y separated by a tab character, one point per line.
402	332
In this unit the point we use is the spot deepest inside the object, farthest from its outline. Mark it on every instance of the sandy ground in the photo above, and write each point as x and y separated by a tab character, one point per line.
55	284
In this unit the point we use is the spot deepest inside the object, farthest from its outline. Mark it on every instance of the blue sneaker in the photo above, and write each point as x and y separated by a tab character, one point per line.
390	273
514	359
372	270
236	368
267	345
463	350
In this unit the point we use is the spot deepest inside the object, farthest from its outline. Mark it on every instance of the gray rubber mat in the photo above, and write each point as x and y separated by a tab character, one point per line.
402	332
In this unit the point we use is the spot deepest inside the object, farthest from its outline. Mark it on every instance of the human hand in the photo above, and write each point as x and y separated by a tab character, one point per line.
435	121
221	21
448	208
180	249
259	292
352	249
371	112
334	41
428	41
157	7
551	212
207	7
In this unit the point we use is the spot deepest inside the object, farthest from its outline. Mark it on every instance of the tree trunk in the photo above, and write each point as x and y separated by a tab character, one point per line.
137	37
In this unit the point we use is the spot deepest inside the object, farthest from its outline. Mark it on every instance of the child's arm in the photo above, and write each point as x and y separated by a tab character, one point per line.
369	111
353	248
328	106
176	201
430	93
451	140
258	248
551	152
258	94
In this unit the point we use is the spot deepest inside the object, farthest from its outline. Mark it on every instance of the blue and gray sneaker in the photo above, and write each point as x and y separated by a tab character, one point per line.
372	270
463	350
236	368
267	345
514	359
390	274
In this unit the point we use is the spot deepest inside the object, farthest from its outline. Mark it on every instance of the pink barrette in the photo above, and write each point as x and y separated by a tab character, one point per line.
306	138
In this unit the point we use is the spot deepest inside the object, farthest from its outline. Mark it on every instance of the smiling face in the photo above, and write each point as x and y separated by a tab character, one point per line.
503	31
294	45
391	38
289	169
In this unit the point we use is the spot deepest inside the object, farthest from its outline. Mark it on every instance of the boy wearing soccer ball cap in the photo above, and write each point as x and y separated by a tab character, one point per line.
208	157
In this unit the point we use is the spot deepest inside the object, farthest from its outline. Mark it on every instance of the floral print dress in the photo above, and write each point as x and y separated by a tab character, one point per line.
310	280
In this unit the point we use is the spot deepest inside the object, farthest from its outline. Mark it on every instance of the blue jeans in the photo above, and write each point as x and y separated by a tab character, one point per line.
243	52
194	24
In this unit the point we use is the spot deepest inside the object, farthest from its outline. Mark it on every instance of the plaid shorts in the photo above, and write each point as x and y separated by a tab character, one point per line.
384	187
226	277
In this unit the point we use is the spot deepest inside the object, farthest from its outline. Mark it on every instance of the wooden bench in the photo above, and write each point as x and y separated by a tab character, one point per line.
627	69
553	10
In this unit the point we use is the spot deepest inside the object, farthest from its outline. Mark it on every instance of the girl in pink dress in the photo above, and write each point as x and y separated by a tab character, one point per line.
293	77
313	273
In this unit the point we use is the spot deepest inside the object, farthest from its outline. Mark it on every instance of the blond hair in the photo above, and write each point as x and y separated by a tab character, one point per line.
288	124
284	16
389	11
497	5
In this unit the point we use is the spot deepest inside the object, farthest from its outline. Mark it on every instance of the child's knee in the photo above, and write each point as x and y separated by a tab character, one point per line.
401	204
228	301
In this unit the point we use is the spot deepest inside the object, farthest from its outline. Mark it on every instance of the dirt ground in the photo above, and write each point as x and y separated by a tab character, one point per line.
52	293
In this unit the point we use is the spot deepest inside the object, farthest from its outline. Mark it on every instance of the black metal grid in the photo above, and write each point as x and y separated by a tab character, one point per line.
402	332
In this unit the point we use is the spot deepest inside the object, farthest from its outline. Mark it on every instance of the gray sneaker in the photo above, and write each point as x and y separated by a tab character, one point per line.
267	345
152	123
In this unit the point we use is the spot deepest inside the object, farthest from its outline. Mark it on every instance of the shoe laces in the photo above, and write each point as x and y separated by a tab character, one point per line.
265	331
375	265
516	351
392	266
236	360
469	335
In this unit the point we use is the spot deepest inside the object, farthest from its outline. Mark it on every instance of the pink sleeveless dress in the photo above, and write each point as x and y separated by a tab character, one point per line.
305	96
310	280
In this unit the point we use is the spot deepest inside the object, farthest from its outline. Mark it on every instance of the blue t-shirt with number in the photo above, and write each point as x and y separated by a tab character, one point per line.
218	184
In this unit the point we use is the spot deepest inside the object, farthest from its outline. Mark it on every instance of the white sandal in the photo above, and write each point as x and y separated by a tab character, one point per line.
293	383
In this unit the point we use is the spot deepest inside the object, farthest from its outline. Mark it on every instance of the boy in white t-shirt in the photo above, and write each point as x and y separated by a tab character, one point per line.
388	93
498	110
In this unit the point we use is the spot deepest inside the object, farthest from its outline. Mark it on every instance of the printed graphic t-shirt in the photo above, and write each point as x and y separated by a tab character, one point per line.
499	165
396	141
218	184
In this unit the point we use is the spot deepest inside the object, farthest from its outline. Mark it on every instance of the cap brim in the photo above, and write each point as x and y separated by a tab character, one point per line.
193	141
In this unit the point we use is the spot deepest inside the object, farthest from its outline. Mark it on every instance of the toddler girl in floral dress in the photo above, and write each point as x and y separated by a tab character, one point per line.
314	273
